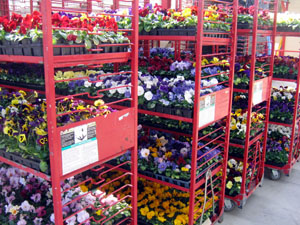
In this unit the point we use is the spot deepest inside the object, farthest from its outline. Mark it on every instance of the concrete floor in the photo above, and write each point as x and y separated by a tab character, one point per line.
276	203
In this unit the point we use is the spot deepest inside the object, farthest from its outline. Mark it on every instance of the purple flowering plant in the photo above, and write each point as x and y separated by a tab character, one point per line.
160	153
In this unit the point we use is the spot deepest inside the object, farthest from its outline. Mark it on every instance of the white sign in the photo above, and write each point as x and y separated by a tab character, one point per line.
207	109
257	93
207	222
79	147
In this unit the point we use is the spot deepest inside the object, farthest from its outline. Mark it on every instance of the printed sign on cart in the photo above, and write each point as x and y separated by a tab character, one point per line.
257	93
79	147
207	109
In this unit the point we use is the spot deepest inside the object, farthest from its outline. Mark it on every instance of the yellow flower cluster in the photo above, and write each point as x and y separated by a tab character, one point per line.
161	203
60	75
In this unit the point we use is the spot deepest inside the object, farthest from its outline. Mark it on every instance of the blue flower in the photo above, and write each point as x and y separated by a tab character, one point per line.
162	166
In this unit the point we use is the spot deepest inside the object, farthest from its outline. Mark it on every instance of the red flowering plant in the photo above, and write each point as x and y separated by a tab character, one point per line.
17	27
66	28
245	16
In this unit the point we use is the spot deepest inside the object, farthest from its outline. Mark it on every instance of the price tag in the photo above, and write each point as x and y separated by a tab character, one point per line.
257	93
79	147
207	109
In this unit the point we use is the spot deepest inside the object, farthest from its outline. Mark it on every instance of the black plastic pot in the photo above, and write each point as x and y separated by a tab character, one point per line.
7	47
17	48
37	47
26	46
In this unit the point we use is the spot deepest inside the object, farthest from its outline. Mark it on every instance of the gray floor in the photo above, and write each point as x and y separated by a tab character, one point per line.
276	203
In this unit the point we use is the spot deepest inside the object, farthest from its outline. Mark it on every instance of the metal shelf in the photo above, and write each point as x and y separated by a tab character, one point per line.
71	60
205	40
26	169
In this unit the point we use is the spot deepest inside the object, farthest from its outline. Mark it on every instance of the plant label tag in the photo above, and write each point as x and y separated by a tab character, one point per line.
79	147
257	93
207	222
207	109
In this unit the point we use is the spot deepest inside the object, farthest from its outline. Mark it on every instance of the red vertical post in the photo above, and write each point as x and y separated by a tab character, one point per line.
273	40
199	39
116	4
89	6
54	151
231	79
134	95
250	98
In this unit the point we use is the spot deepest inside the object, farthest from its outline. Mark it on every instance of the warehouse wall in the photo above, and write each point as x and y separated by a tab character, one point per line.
293	43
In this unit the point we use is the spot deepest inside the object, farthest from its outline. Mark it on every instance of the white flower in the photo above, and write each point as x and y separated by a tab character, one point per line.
121	90
145	152
184	151
22	222
112	91
204	83
188	97
98	84
82	216
87	84
25	206
3	112
149	84
188	166
140	91
213	81
148	95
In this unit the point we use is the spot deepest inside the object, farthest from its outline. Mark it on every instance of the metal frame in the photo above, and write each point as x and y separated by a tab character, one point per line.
224	141
50	64
247	191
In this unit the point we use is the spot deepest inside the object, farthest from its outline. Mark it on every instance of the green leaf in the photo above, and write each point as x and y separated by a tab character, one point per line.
88	44
43	166
96	41
78	40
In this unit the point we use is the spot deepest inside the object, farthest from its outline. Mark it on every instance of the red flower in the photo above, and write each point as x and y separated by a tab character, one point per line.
17	18
71	37
22	29
27	21
56	19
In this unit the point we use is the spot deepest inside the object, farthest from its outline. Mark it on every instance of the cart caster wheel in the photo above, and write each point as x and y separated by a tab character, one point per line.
275	175
229	205
220	220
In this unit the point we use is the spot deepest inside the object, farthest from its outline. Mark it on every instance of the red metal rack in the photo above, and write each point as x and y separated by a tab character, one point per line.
124	121
293	152
222	106
254	149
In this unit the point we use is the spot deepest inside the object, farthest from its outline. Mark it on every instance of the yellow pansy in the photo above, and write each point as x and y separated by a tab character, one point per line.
187	12
229	185
168	154
99	212
40	132
144	211
238	179
150	215
22	138
161	219
99	102
83	188
184	169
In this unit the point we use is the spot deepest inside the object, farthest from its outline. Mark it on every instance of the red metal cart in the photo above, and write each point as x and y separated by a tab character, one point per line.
253	148
221	111
124	121
293	149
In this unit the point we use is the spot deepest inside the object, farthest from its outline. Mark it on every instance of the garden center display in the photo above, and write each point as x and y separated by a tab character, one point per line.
136	113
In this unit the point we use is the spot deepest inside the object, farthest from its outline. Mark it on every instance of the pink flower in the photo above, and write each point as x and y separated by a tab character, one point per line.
36	197
41	211
82	216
